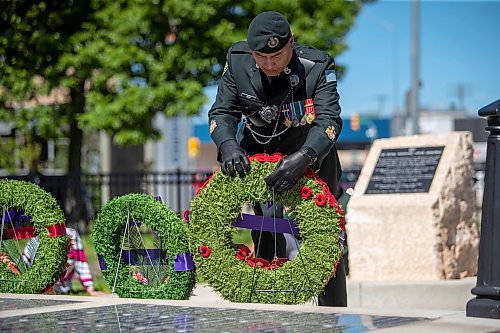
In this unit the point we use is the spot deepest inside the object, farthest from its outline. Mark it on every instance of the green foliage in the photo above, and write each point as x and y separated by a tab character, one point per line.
7	146
118	63
107	236
52	252
210	224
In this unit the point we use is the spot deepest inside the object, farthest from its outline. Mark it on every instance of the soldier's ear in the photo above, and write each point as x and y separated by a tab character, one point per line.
292	40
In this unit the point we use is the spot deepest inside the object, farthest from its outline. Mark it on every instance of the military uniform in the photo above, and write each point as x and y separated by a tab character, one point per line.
297	109
244	91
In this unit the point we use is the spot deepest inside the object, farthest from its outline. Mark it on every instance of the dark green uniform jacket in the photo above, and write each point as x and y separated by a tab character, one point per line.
244	91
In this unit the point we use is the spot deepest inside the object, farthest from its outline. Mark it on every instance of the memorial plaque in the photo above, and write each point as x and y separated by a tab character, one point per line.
404	170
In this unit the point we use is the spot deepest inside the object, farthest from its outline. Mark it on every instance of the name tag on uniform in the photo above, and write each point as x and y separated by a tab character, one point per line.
330	75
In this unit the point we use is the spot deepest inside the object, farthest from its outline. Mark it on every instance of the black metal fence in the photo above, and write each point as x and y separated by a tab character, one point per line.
82	196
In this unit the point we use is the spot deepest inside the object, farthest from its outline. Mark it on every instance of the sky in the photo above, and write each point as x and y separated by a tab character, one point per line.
459	56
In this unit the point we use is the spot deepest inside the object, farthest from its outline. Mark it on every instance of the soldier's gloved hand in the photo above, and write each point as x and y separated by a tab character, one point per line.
234	159
288	171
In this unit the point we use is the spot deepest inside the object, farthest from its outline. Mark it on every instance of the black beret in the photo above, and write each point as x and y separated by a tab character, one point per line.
268	32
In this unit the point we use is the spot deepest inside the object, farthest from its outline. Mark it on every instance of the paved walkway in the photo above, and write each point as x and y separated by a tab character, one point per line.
205	311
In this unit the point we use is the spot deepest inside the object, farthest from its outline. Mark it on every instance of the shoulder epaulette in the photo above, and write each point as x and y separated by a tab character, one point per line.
240	47
312	53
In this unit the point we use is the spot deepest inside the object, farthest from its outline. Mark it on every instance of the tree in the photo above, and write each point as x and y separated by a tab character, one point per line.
33	36
113	65
118	63
157	56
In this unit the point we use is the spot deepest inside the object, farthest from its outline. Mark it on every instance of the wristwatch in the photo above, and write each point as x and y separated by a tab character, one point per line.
312	155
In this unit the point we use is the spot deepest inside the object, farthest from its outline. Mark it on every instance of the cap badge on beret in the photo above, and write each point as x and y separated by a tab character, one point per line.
273	42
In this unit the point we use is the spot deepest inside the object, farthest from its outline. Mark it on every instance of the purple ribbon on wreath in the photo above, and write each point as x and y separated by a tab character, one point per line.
182	261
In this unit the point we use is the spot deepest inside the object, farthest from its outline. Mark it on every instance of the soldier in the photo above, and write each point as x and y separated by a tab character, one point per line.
286	94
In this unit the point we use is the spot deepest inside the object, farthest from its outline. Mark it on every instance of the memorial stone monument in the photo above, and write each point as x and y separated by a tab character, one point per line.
412	215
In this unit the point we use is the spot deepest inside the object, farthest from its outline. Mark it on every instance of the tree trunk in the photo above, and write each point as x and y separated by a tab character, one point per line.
74	203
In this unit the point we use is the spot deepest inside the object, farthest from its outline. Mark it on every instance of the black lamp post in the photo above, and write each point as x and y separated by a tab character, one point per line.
487	289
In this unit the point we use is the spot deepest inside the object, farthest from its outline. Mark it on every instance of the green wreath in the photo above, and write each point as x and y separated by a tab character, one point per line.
47	224
108	237
311	205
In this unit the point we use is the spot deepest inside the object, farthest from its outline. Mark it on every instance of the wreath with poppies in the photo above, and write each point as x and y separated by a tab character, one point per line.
29	211
108	236
230	269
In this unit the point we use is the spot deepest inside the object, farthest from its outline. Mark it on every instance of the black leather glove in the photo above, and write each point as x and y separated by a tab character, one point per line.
289	170
234	159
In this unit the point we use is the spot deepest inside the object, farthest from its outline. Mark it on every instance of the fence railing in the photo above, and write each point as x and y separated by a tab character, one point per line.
82	196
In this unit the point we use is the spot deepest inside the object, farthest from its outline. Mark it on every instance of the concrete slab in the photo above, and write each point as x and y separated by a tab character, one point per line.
440	294
206	312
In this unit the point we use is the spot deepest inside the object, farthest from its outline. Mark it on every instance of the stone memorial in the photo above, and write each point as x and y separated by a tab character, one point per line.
412	215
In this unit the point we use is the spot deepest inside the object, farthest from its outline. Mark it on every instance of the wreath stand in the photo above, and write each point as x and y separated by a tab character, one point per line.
123	234
231	270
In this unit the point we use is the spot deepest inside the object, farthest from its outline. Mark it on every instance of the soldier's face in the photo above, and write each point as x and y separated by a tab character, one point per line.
272	64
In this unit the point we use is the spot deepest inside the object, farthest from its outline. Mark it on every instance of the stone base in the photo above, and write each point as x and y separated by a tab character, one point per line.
416	236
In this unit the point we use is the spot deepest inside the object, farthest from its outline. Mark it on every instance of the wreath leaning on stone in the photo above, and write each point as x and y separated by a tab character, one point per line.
47	223
312	206
108	237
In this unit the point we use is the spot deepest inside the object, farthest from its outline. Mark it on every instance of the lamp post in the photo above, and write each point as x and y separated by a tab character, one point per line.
415	87
487	289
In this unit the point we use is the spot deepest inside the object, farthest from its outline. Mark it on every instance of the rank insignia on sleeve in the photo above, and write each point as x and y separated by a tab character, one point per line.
330	132
213	125
330	75
225	69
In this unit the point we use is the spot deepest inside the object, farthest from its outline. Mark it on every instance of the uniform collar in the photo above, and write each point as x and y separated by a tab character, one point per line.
294	67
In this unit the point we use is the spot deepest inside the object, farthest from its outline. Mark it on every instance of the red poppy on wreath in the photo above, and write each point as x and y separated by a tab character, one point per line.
332	200
261	157
336	265
240	255
342	223
326	191
186	216
205	251
320	199
305	192
259	262
310	173
320	181
339	210
275	157
242	252
278	262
